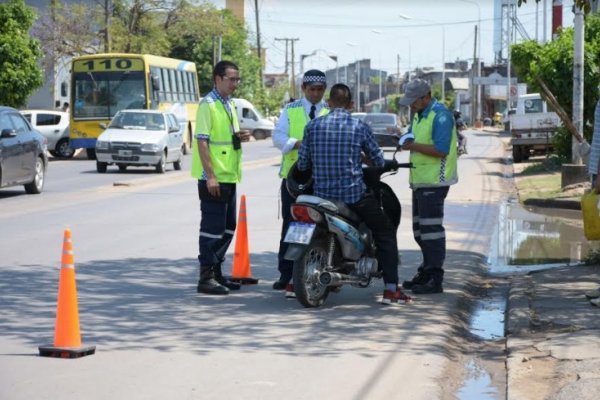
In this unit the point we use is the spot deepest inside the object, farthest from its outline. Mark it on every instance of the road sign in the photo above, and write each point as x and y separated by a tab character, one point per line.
492	80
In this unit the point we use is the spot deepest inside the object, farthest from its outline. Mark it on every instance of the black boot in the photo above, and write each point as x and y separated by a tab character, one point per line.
420	278
223	281
207	283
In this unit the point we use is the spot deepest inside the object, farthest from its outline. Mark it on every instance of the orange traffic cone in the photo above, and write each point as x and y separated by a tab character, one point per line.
241	260
67	339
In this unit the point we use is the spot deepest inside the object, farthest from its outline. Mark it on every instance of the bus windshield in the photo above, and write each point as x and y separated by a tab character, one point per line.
100	95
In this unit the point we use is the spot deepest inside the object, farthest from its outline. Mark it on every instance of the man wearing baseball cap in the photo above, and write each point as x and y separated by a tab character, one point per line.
287	137
431	141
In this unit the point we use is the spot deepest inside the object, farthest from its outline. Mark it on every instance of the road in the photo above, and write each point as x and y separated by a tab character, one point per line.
135	248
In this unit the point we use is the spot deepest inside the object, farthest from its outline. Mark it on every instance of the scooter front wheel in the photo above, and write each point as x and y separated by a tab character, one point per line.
309	291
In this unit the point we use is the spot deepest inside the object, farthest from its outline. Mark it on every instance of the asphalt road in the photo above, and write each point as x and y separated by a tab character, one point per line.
135	251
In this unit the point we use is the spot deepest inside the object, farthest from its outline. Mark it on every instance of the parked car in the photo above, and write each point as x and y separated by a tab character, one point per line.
23	158
382	125
140	138
359	115
54	125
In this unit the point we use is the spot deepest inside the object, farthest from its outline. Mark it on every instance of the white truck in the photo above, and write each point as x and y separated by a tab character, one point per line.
532	127
251	119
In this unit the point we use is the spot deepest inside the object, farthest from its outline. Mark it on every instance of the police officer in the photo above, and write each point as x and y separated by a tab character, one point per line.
287	137
432	144
216	163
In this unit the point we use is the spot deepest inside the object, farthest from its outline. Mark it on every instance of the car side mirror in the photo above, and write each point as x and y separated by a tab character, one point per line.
103	125
171	130
8	133
155	83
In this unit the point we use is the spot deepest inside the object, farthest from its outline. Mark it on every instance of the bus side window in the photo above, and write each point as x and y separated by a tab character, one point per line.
167	86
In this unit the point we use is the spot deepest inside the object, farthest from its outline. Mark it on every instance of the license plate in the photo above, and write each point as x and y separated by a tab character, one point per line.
299	232
125	153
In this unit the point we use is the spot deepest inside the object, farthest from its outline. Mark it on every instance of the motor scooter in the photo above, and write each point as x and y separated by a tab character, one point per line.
328	243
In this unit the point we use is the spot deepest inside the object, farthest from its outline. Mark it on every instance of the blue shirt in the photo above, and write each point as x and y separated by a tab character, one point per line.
443	123
332	147
595	146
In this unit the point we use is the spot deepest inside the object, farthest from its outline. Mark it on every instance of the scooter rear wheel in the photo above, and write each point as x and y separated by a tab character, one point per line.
309	291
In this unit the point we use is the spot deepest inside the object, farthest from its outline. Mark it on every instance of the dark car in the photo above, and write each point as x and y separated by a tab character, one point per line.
382	125
23	158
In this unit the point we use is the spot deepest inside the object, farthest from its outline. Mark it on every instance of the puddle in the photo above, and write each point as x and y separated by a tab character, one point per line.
487	319
477	385
526	240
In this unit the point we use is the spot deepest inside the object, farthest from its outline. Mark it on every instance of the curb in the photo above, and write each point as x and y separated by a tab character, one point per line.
554	203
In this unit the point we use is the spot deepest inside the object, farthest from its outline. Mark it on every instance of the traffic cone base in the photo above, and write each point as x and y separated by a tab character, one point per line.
241	259
66	352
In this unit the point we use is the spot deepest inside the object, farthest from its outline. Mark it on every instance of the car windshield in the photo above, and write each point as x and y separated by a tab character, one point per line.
380	119
138	120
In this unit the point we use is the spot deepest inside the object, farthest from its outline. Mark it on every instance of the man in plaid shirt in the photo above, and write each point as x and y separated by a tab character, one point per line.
332	147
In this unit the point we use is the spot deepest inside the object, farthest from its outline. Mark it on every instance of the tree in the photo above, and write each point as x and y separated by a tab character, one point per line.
20	73
585	5
553	63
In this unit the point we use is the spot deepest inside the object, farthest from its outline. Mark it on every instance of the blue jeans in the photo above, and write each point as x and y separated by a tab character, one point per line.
217	226
428	228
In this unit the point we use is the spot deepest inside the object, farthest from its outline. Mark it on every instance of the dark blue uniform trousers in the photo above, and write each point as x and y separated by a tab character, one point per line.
217	224
428	228
285	267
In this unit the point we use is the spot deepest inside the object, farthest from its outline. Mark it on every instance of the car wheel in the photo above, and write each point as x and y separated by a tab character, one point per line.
37	184
162	164
177	163
63	150
53	153
122	167
101	167
259	134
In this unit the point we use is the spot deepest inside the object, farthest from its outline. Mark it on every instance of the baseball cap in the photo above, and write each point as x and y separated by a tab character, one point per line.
414	89
314	77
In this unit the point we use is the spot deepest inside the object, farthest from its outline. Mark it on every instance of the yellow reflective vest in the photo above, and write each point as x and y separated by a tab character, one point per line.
226	161
297	120
430	171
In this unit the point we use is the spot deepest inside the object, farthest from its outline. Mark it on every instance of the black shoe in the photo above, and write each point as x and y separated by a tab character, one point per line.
211	286
227	283
430	287
419	279
280	285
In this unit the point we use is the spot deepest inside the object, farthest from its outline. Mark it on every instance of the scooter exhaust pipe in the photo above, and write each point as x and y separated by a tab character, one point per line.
336	279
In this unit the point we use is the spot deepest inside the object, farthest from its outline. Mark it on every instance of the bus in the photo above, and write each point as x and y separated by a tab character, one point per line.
102	84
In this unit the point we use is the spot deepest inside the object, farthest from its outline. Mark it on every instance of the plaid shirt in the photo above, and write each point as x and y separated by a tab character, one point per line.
332	147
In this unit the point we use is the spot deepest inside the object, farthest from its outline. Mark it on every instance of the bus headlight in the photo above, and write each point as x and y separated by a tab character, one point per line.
151	147
102	145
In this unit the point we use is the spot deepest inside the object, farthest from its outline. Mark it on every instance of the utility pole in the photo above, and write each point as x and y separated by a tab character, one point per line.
258	47
578	27
293	77
398	71
474	98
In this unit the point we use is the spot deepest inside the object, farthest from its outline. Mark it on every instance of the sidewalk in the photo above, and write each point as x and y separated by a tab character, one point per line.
553	335
552	330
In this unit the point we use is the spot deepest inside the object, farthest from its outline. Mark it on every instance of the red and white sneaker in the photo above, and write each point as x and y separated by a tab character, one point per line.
289	291
391	298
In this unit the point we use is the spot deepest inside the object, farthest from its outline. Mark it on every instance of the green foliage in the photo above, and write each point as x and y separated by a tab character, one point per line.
436	91
392	102
20	74
270	100
592	257
552	164
585	5
553	63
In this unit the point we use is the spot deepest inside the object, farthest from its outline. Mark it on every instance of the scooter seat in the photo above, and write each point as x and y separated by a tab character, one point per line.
346	212
338	207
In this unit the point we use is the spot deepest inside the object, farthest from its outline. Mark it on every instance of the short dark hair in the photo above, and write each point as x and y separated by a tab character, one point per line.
340	95
221	67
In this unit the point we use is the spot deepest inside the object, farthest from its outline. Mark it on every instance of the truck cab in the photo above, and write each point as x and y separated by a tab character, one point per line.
251	119
532	127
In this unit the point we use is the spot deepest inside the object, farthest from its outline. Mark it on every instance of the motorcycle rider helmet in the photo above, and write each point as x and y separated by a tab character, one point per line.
299	182
457	114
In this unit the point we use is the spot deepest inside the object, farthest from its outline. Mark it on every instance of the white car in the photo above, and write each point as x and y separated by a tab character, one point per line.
140	138
54	126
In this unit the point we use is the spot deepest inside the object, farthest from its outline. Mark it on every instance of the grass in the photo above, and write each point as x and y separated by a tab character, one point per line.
539	186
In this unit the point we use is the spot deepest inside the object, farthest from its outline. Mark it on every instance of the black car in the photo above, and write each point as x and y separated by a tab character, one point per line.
23	158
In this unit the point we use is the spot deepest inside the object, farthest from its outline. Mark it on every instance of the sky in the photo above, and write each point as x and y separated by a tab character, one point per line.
422	32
